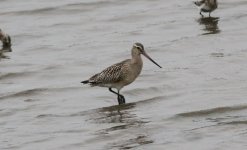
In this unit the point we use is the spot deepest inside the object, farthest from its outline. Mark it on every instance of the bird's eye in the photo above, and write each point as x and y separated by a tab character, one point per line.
139	48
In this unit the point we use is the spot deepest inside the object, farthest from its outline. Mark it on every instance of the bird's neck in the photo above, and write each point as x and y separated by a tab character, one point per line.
136	59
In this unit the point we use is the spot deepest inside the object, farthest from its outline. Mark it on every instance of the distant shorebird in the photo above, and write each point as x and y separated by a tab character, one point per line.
207	6
5	38
121	74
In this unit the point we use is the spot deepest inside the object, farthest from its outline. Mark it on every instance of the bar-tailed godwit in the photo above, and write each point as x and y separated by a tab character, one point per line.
207	6
121	74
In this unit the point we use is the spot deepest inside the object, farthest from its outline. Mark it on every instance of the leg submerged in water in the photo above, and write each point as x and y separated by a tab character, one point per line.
121	99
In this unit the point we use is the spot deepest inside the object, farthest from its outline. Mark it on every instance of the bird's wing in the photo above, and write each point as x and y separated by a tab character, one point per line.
111	74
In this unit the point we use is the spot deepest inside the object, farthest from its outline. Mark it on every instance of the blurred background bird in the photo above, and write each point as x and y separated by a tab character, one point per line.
6	41
206	6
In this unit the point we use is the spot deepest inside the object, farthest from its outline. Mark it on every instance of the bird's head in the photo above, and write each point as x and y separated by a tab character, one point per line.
138	49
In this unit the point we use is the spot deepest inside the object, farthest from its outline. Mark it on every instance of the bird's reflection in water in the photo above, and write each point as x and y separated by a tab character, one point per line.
211	25
120	115
121	121
115	114
132	143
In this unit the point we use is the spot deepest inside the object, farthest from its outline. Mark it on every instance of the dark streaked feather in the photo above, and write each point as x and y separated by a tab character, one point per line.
111	74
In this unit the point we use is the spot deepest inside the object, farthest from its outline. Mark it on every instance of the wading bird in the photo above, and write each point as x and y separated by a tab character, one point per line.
121	74
5	38
206	6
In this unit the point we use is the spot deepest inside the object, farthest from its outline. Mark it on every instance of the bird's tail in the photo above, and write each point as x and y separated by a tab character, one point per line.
85	82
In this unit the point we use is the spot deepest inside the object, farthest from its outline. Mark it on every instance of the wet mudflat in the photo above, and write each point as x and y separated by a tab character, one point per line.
196	101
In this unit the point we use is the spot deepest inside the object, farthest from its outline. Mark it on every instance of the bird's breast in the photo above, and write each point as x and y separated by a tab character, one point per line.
133	72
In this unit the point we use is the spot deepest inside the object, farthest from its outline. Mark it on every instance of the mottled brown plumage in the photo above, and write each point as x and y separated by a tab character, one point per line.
121	74
112	74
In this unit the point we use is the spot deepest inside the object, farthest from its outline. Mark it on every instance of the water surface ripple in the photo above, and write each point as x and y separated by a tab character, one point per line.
196	101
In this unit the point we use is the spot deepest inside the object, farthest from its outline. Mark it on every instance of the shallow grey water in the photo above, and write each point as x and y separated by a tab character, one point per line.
196	101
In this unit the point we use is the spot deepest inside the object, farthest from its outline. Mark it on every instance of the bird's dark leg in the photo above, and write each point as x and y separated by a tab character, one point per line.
209	14
112	91
121	99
